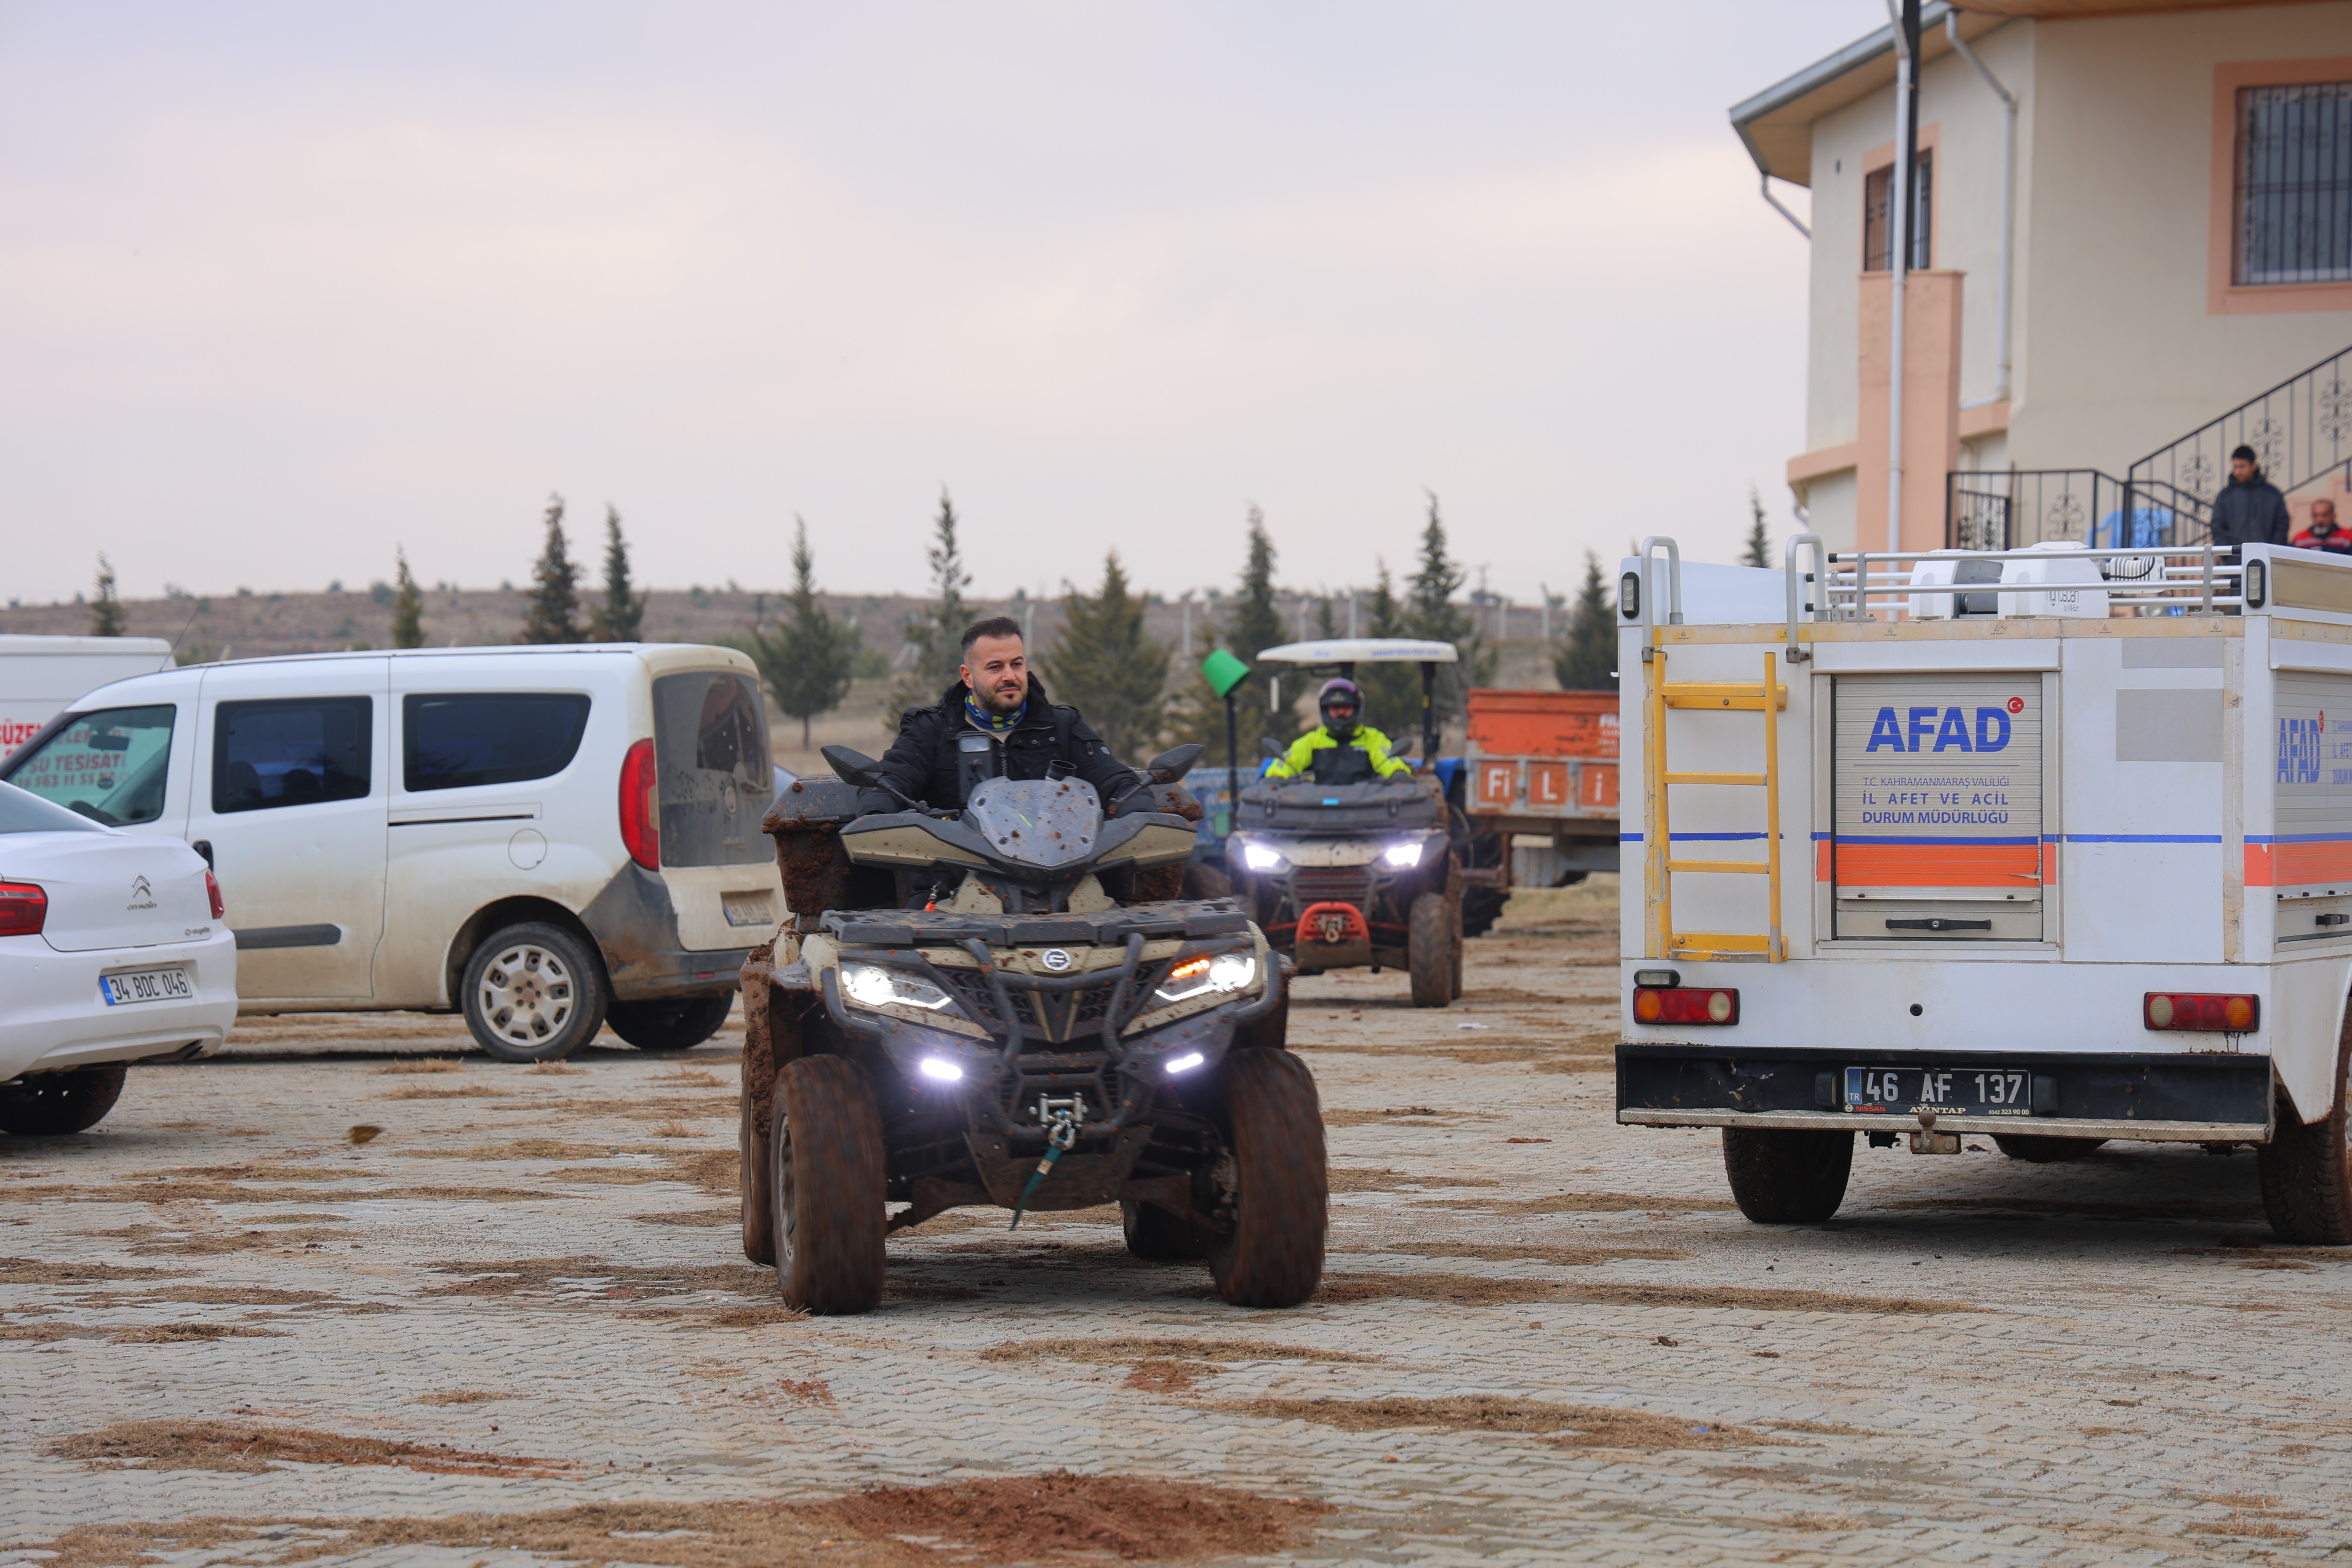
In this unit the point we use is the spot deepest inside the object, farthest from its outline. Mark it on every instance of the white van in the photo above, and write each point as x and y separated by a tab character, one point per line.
546	838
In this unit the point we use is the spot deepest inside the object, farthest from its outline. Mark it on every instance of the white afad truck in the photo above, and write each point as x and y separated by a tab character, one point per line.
2052	845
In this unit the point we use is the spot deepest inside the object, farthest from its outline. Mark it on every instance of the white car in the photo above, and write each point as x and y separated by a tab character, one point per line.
112	951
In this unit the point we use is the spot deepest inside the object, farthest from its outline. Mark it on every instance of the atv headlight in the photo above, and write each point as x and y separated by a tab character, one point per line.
1402	856
1259	858
1197	977
871	985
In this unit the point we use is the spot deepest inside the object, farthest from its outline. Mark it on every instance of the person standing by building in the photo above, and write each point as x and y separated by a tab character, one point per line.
2322	533
2250	510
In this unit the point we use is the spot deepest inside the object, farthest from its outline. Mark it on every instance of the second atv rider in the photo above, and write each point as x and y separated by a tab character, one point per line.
1339	751
995	721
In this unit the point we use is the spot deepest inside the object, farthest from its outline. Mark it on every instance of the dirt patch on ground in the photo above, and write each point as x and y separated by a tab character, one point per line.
588	1278
1345	1179
1461	1289
1591	1203
693	1218
1571	1425
462	1396
523	1148
1057	1517
1124	1351
217	1245
1020	1519
421	1064
1821	1428
2179	1208
1512	1252
717	1172
35	1271
2250	1257
210	1296
465	1092
251	1447
760	1317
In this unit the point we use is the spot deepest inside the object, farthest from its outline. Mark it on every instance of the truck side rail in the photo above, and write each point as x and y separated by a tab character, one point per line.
2159	579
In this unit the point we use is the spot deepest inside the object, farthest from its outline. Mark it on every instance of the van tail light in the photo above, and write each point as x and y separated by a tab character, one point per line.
24	908
2202	1011
1685	1004
640	814
211	891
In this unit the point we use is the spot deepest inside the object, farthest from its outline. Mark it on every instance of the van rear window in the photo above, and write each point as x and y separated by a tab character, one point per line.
711	746
459	739
299	751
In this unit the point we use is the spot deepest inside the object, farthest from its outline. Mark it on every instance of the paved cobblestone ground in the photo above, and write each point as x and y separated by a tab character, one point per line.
1977	1362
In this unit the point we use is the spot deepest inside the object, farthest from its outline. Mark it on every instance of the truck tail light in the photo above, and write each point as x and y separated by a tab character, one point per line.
640	814
1685	1004
211	891
2202	1011
24	908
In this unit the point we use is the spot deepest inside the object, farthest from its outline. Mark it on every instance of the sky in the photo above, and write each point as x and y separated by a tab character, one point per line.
285	287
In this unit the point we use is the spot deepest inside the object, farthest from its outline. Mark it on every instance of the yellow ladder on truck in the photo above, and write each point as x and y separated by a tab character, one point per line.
1768	699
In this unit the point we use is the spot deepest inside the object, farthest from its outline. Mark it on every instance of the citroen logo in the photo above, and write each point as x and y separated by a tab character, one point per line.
1056	959
142	897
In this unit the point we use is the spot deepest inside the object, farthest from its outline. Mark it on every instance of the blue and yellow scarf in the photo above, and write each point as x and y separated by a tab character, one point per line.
994	724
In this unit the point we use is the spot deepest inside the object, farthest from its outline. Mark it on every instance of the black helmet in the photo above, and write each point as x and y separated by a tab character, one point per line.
1341	693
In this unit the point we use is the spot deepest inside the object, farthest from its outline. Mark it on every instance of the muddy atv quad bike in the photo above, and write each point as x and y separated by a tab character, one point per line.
1011	1005
1343	872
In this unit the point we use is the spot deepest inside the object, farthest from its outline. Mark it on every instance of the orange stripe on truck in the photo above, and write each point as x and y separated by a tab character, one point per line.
1937	865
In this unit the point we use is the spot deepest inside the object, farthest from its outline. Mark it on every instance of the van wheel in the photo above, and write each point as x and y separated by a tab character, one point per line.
1155	1234
1784	1177
1273	1254
2048	1150
669	1026
533	993
51	1104
826	1185
2306	1167
1429	949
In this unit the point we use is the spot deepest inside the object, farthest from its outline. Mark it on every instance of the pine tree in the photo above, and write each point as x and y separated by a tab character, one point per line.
622	616
106	610
1434	614
407	604
1250	622
1584	655
934	634
554	607
805	663
1107	667
1759	549
1327	624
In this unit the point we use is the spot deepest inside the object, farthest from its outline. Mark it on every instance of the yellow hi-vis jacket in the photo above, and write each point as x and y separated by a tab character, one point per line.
1304	753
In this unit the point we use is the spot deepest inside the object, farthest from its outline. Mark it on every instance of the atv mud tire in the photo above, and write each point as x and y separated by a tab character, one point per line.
1430	950
1154	1234
669	1026
758	1189
1206	881
825	1184
2048	1150
1781	1177
2306	1167
53	1104
1273	1257
1481	908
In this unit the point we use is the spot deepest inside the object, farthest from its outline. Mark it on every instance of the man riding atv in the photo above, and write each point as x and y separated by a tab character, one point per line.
1339	751
994	721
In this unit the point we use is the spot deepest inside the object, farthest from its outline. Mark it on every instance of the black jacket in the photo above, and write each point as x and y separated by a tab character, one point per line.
2253	512
922	761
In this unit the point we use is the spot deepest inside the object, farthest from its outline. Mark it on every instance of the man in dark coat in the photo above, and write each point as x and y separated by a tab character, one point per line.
995	695
2250	510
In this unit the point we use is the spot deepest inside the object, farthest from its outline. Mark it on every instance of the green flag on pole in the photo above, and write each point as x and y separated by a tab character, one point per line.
1222	671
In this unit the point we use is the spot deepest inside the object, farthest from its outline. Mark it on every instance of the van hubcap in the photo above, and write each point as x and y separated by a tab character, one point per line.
527	994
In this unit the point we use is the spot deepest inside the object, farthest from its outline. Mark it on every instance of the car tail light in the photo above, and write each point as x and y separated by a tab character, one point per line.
211	891
1685	1004
2202	1011
24	908
640	816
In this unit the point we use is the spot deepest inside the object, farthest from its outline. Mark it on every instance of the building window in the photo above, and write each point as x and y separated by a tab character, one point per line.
1878	232
2294	186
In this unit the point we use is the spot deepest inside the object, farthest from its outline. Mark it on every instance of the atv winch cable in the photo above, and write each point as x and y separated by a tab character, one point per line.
1059	1137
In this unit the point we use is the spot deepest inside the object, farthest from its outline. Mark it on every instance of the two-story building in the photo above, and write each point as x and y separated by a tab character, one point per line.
2130	252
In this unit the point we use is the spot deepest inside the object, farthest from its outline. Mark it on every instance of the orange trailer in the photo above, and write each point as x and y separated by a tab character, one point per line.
1544	762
